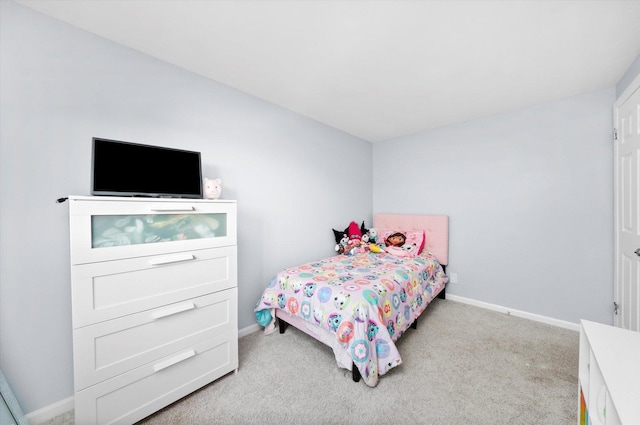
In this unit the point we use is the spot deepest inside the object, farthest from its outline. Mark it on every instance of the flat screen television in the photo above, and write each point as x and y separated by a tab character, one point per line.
132	169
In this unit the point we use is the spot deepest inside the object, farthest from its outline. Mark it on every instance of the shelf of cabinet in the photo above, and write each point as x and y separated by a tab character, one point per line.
609	375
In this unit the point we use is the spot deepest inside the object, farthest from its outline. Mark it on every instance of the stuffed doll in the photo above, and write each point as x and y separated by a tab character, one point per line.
396	239
370	240
212	188
355	244
342	244
375	248
338	234
354	232
341	240
352	240
364	232
372	235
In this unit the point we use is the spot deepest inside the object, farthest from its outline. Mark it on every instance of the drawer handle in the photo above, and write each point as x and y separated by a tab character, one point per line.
173	310
169	209
171	259
177	359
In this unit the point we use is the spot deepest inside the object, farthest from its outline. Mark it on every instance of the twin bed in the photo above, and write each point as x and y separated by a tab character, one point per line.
360	304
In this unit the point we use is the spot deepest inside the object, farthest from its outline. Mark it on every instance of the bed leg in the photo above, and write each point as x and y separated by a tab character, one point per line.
282	325
442	295
355	373
414	325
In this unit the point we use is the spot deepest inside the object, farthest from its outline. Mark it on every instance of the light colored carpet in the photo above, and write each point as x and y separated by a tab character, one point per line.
463	365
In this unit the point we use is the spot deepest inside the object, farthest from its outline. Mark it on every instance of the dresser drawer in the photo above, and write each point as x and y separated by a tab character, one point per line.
107	290
111	229
110	348
129	397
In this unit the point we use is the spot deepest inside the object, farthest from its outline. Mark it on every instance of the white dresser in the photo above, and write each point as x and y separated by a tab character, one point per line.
154	299
609	375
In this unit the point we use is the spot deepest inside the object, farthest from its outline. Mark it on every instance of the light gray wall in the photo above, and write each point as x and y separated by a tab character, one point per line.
59	87
632	72
530	199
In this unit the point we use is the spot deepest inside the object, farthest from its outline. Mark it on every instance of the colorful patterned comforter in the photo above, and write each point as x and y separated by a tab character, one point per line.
367	300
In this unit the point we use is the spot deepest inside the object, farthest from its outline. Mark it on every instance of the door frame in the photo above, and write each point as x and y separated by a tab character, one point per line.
631	88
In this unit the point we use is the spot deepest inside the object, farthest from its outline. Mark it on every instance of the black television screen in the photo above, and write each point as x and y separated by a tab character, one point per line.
131	169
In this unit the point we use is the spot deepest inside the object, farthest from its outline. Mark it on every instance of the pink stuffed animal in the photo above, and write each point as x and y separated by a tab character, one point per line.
212	188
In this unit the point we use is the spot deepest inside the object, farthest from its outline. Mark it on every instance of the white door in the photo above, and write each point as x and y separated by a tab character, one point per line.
627	208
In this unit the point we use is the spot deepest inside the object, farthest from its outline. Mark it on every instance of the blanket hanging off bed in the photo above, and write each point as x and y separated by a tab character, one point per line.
367	301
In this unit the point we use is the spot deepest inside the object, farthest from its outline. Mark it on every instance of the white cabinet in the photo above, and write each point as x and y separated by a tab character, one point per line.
609	375
154	298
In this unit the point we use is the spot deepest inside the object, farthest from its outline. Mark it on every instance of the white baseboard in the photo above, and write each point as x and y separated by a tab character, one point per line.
62	406
517	313
249	330
506	310
51	411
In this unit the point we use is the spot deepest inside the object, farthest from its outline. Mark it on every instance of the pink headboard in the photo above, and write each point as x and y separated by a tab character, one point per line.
436	229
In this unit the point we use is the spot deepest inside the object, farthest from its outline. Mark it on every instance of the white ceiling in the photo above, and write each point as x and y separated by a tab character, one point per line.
379	69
